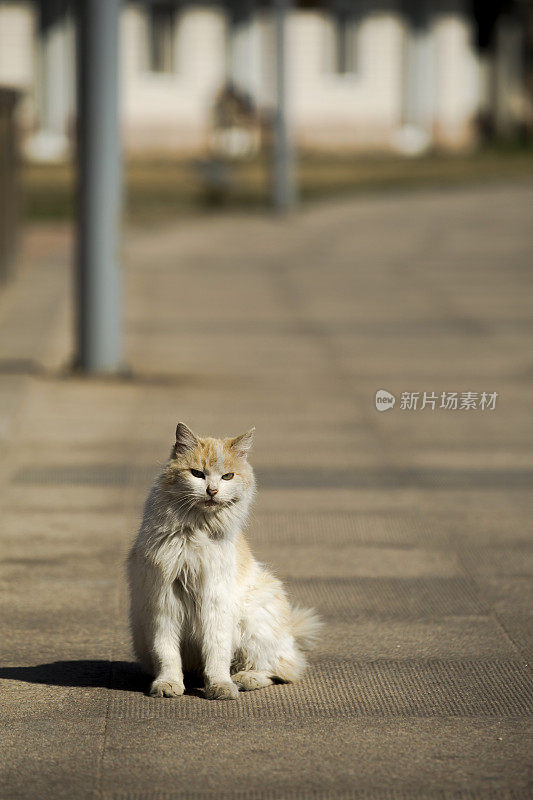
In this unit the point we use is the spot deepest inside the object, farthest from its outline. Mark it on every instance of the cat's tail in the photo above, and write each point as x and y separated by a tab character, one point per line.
306	627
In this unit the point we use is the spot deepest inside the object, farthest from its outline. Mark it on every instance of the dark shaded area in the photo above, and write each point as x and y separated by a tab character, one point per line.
126	676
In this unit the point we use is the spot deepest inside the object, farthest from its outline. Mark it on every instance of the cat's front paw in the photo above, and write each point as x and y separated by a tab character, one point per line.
221	691
161	688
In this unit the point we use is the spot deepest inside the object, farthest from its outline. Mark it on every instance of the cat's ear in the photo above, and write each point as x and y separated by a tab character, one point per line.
185	439
242	444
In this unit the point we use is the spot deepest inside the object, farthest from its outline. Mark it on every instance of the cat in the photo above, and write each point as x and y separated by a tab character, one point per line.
199	601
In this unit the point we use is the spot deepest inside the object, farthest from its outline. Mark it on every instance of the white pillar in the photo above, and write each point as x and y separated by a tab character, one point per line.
241	49
416	133
459	76
55	84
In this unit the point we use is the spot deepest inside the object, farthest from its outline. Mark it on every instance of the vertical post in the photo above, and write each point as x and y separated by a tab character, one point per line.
98	276
510	99
283	166
9	179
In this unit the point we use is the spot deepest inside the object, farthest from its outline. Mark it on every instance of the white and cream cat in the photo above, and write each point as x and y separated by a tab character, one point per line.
199	600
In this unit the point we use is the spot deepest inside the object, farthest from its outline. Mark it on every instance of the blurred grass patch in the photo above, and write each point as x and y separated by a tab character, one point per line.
162	189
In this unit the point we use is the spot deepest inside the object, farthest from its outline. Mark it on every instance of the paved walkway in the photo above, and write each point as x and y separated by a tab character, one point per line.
408	530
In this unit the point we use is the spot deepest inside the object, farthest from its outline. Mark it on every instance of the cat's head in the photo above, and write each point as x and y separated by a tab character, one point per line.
209	474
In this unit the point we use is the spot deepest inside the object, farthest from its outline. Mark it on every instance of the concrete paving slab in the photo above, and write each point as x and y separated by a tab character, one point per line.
273	759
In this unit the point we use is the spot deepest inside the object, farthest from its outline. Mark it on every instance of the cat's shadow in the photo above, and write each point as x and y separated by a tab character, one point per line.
120	675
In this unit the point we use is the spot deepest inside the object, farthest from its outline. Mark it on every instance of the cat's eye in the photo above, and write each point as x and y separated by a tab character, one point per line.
228	476
197	473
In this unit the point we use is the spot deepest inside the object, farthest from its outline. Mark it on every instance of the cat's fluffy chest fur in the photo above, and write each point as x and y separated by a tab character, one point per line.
198	565
199	600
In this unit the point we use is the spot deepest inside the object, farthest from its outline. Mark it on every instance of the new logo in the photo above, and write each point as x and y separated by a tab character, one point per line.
384	400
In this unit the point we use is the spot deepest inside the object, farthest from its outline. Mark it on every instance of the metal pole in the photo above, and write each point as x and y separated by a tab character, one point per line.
98	275
283	167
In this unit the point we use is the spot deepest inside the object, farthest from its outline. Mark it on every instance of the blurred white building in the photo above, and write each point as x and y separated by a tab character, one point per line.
362	74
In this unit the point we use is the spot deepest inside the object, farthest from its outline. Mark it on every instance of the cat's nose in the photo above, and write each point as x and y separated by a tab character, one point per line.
211	491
